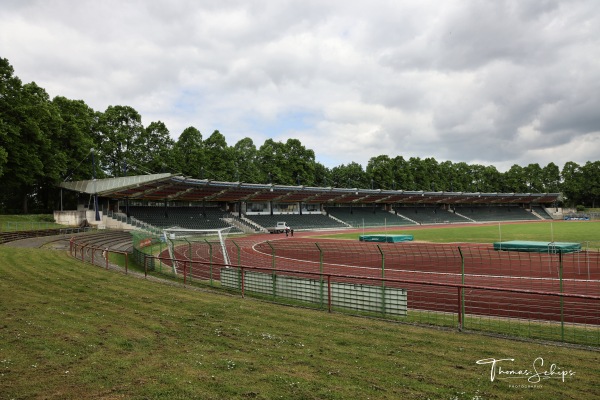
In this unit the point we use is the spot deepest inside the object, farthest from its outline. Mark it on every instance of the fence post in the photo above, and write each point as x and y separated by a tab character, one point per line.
238	251
160	261
562	311
329	292
184	273
321	283
190	257
239	264
145	265
382	280
273	275
242	271
126	263
106	256
460	313
210	260
461	292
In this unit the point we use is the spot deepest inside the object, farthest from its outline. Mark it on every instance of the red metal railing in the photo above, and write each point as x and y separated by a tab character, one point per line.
87	252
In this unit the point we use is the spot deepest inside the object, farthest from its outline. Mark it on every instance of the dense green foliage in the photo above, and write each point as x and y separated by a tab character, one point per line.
44	141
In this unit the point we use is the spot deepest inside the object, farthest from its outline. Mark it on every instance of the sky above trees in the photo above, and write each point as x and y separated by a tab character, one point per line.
482	82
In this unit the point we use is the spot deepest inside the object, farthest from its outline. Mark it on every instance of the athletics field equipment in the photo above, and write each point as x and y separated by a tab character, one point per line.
386	238
537	247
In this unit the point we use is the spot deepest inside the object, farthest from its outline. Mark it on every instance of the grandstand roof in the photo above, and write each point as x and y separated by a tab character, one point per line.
160	187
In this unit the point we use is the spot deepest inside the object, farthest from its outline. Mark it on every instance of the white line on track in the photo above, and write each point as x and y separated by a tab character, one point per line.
428	272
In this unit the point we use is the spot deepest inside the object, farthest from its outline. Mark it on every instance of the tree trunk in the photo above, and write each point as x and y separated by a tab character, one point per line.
25	209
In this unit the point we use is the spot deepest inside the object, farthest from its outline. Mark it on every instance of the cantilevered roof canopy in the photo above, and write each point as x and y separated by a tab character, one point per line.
110	185
160	187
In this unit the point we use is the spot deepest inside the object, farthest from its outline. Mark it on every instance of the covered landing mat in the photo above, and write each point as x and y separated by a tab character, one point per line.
537	247
385	238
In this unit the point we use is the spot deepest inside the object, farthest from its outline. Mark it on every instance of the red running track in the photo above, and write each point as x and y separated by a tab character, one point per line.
427	264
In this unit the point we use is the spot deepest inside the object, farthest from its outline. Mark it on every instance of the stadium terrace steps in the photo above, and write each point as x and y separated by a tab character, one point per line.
184	217
367	216
429	215
297	221
540	212
489	213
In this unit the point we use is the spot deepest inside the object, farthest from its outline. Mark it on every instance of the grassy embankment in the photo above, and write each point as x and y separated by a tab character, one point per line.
71	331
26	222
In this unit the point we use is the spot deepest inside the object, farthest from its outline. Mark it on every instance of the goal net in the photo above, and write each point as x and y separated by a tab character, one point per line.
196	248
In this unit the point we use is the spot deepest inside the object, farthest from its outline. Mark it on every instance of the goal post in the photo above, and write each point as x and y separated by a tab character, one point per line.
191	245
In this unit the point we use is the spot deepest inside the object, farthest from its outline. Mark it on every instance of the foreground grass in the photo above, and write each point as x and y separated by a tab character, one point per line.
71	331
559	231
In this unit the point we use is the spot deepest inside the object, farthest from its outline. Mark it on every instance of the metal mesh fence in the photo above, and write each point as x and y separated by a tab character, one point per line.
550	296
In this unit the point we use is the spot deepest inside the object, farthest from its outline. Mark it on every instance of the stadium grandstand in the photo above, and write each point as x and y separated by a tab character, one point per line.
166	200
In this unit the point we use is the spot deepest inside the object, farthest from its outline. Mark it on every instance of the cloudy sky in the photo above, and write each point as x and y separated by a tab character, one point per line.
488	82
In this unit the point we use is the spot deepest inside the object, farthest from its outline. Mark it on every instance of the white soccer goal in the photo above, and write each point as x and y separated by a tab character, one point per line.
196	245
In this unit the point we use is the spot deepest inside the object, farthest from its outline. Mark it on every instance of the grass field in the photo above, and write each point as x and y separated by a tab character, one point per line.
558	231
72	331
27	222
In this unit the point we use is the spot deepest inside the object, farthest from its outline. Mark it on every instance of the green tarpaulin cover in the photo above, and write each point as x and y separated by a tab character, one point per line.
385	238
537	247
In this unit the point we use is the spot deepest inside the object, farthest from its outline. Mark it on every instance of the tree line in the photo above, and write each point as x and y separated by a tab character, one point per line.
45	141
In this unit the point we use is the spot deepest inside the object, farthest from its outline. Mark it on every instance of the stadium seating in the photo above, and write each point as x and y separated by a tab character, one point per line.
183	217
488	213
541	211
297	221
429	215
366	216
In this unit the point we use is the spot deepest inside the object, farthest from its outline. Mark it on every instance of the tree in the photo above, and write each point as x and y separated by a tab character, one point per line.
120	128
591	182
380	171
74	139
218	158
551	178
188	153
322	175
491	179
447	176
573	183
270	159
298	167
153	149
10	87
30	123
432	177
462	180
245	164
534	178
515	179
420	174
350	176
76	136
402	174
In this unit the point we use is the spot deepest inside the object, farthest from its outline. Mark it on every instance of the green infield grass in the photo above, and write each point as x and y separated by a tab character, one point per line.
558	231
